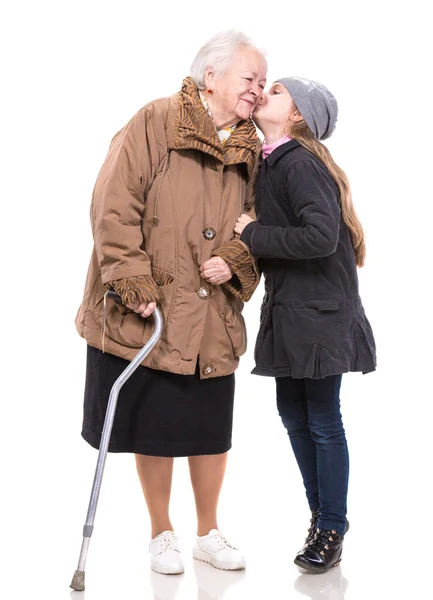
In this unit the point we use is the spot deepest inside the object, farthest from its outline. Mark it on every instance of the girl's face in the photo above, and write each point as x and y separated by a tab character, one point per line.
275	108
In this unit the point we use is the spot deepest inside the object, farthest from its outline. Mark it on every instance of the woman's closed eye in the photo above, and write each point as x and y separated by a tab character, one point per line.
251	80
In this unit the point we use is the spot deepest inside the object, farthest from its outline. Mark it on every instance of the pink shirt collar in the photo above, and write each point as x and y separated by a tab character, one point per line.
268	148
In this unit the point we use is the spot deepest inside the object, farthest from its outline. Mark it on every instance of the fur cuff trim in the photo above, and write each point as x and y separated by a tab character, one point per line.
141	288
244	266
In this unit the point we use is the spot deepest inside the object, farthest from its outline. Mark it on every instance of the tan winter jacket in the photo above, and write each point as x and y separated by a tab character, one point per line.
165	201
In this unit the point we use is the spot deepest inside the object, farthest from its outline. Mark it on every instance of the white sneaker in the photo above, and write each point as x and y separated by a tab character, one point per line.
214	549
165	554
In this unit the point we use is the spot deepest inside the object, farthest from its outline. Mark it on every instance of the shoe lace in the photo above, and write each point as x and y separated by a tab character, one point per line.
168	542
323	540
311	530
223	541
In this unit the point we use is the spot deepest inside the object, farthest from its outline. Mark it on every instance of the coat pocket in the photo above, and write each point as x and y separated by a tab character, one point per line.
365	346
324	306
122	324
119	323
167	285
236	330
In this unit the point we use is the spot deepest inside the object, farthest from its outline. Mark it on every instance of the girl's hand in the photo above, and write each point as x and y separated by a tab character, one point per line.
145	309
216	271
242	222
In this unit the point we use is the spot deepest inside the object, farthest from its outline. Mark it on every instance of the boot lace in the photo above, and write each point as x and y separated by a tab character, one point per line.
311	530
323	541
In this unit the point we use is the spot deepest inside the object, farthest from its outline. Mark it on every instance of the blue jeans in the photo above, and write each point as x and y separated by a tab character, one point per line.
310	411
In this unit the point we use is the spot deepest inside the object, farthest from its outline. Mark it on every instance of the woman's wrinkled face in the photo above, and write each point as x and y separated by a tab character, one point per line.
237	92
275	107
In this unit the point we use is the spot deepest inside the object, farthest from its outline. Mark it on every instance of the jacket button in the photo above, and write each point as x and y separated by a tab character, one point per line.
209	234
207	370
203	293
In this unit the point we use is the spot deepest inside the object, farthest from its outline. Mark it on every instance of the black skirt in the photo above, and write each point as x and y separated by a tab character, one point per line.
158	413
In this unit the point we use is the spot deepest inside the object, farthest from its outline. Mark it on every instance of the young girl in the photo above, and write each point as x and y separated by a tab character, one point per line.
313	326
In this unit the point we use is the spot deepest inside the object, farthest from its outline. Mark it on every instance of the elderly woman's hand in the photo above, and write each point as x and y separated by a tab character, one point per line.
242	222
145	309
216	271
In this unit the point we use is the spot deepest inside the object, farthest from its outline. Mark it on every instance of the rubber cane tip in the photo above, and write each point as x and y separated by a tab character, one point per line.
77	583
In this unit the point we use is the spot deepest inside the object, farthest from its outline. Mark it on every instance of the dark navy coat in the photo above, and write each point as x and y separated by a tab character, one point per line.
312	320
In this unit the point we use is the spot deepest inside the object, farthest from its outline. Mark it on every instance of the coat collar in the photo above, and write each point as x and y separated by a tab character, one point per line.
281	151
195	130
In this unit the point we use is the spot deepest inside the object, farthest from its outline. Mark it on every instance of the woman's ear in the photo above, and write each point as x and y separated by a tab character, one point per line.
209	78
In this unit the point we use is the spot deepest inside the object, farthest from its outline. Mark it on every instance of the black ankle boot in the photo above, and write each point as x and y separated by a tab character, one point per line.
323	553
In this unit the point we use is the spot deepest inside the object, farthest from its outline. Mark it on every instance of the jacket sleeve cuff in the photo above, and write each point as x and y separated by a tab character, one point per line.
141	288
246	275
248	233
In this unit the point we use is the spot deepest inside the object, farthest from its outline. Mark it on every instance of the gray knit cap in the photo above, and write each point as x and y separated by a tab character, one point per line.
315	103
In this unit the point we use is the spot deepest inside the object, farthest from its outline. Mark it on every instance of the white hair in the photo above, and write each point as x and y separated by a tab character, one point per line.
218	53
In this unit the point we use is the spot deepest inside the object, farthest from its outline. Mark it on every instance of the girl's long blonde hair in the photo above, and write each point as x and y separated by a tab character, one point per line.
303	134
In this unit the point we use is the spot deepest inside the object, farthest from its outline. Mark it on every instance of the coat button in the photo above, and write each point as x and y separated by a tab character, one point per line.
209	234
207	370
203	293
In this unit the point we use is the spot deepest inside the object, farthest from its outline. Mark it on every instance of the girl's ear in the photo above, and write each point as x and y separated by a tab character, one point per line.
296	116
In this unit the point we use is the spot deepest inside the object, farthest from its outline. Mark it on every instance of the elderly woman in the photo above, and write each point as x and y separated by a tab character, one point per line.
175	180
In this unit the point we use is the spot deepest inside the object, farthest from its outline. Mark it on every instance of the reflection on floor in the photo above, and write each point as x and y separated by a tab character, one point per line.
213	584
329	586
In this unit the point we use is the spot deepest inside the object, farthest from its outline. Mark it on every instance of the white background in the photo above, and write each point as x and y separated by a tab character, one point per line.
73	73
